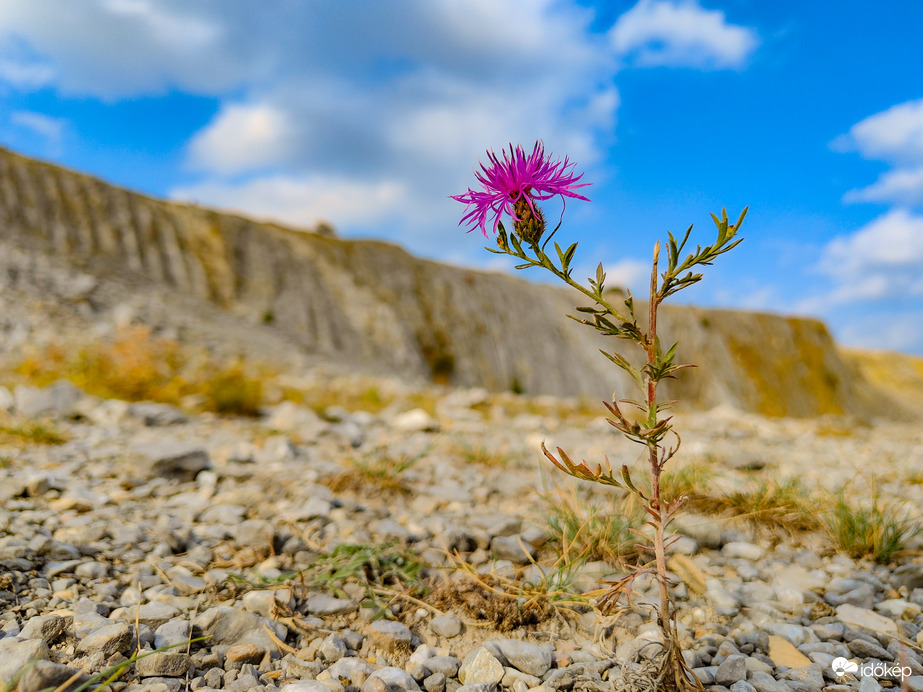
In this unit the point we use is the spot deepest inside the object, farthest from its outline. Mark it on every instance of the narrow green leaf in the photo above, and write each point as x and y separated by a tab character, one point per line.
668	358
624	365
569	253
560	255
626	477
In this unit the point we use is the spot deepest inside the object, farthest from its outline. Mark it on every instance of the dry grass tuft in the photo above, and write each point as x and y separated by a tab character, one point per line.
379	470
787	505
585	531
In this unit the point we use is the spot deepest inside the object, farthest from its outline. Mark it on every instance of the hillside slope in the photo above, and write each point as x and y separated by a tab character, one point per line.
372	305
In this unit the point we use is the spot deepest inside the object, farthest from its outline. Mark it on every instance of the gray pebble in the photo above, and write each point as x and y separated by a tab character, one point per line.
447	665
305	686
15	654
764	682
434	683
169	664
865	649
389	632
447	625
43	675
333	648
44	627
108	640
170	459
512	548
394	678
731	670
528	658
328	605
742	686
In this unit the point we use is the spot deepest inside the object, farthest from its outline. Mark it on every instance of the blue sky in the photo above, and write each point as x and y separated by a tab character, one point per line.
370	114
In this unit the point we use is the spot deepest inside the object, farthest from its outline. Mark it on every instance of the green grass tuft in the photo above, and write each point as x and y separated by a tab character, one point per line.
875	531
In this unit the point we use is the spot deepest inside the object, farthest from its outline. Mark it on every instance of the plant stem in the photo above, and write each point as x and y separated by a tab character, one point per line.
653	447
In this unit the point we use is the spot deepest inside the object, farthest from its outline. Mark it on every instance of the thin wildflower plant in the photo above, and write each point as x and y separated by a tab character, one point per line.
512	186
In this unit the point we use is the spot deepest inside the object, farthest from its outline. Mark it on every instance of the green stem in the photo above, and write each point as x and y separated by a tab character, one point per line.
650	346
596	297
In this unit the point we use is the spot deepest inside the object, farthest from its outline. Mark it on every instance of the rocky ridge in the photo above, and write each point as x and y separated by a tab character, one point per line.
150	526
371	305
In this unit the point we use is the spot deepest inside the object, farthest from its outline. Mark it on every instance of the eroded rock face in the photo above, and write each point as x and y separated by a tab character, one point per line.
370	303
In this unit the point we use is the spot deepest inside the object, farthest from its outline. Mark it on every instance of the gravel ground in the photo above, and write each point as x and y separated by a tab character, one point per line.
406	550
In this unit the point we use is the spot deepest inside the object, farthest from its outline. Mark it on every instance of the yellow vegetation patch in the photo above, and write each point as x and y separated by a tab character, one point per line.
138	366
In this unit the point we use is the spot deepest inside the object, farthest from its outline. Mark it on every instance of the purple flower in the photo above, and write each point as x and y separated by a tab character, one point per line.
511	186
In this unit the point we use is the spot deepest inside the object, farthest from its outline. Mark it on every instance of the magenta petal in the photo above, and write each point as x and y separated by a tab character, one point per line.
505	181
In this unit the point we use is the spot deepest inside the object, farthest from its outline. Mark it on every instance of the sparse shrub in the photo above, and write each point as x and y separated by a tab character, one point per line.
690	481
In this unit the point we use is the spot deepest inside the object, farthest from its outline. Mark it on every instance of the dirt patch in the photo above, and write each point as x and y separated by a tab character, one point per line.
478	603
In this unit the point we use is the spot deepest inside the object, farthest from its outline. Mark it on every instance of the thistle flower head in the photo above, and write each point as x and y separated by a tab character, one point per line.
513	185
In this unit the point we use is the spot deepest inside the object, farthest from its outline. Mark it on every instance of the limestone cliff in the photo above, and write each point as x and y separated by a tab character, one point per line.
373	305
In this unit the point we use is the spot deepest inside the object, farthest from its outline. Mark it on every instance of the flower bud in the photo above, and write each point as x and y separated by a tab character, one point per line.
529	222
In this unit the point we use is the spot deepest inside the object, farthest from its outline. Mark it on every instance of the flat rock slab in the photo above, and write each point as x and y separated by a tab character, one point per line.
783	653
862	617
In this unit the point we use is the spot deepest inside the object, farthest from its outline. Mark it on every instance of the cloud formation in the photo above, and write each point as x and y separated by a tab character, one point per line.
896	137
329	112
657	33
880	261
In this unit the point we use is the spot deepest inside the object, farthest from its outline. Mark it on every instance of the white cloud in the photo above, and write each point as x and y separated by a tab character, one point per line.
627	273
243	137
27	76
326	104
49	128
894	135
302	201
681	34
881	260
115	48
902	186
